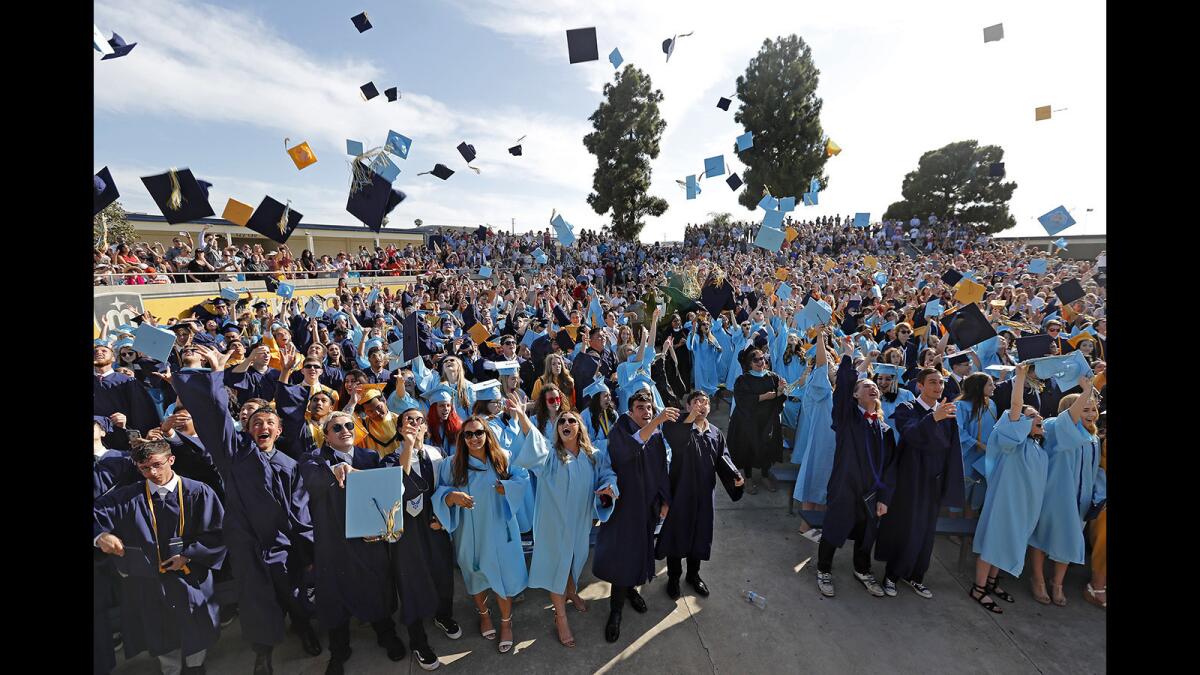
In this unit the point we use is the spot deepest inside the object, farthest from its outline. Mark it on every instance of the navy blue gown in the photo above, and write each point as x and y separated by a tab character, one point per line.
697	461
117	393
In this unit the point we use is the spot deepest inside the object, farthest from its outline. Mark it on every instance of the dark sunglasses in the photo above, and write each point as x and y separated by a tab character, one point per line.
473	434
313	366
414	420
569	420
339	428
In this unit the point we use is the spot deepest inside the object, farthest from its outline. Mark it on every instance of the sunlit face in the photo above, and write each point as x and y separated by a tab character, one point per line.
556	365
989	388
699	406
378	359
265	429
642	412
316	351
1087	346
101	356
553	399
568	427
412	419
933	386
606	400
866	393
1090	412
376	408
283	337
157	469
260	356
341	430
758	361
246	411
450	369
475	435
1032	412
320	405
444	408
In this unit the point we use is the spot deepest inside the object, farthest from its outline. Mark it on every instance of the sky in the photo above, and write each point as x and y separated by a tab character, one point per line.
218	86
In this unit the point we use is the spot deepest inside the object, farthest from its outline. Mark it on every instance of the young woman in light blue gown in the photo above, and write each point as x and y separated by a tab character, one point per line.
976	414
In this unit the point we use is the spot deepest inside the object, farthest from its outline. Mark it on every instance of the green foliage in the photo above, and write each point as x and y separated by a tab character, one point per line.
119	229
628	128
952	182
719	219
780	105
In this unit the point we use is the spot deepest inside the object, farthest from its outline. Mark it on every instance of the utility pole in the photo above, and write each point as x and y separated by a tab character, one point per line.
514	226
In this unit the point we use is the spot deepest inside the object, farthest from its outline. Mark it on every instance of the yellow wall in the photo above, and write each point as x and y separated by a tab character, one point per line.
164	308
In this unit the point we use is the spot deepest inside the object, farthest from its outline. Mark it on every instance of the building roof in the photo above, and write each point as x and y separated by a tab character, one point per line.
386	231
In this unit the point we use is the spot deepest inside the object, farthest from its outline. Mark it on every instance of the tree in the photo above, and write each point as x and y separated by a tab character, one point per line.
780	105
719	219
953	182
628	128
119	229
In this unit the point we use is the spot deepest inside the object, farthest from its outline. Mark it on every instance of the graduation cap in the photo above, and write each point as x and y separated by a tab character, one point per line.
968	326
353	147
993	33
515	150
154	341
999	370
274	220
118	46
668	45
1041	112
691	187
969	292
467	151
639	382
237	213
506	368
99	42
832	148
887	369
596	387
104	191
564	230
723	103
361	22
563	339
996	170
1056	220
478	333
787	205
951	277
1069	291
745	142
581	45
810	198
392	94
734	181
487	391
302	155
714	166
959	358
369	91
862	219
442	393
769	237
371	203
179	196
1065	370
440	170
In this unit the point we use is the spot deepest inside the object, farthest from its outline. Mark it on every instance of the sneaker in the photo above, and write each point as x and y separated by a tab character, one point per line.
450	627
889	587
425	657
228	614
752	487
920	589
872	586
825	583
769	483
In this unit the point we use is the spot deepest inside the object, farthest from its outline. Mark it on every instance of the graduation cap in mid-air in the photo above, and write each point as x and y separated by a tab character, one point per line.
361	22
397	144
1033	346
1056	220
369	91
274	220
734	181
237	213
668	45
968	326
1069	291
951	277
993	33
723	103
468	154
392	94
581	45
615	58
179	196
515	150
119	47
440	170
996	170
302	155
371	201
104	191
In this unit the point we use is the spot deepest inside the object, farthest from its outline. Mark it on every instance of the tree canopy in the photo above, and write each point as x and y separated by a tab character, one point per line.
955	182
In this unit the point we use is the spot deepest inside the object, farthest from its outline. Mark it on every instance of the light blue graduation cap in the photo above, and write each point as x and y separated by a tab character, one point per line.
372	296
153	341
872	320
375	502
814	186
933	308
810	198
876	291
1056	220
784	291
1037	266
815	313
768	202
339	315
614	57
596	387
127	328
396	350
787	204
745	141
773	219
769	237
285	290
372	343
540	256
811	353
1061	242
862	219
1051	317
714	166
1065	370
887	327
564	230
123	342
401	405
506	368
230	294
385	167
999	371
485	272
439	394
354	147
531	336
639	381
880	278
487	391
397	144
887	369
693	188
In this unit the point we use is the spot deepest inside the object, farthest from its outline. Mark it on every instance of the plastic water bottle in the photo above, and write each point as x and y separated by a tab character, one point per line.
754	599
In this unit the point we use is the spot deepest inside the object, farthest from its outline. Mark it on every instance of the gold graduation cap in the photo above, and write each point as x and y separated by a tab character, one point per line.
791	233
237	212
968	292
302	154
782	273
478	333
832	148
1041	113
768	288
871	262
829	264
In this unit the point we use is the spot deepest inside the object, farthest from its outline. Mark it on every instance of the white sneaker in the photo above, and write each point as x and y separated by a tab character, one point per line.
825	583
920	589
889	587
872	586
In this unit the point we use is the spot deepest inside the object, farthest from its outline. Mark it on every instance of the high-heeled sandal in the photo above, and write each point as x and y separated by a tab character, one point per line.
1056	592
487	634
505	645
989	605
1092	596
568	642
1039	591
994	589
580	606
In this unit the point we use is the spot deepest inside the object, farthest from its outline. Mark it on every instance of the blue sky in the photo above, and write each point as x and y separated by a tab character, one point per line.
217	86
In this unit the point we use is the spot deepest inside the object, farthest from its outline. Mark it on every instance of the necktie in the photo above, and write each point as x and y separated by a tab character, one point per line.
870	416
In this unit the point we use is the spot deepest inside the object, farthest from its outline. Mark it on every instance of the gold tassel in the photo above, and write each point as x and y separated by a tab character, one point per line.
283	222
175	201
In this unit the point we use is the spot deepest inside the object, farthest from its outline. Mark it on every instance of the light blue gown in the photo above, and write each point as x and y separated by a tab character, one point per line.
598	434
970	430
737	343
706	360
1015	466
727	355
790	372
1073	483
463	411
487	538
566	506
815	439
902	396
508	435
625	374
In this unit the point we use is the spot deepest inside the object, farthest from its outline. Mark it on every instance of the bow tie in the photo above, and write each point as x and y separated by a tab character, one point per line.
871	416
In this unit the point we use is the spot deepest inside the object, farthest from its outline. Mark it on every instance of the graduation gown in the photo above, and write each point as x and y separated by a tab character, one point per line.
1016	467
268	529
508	434
816	443
422	560
971	430
117	393
598	429
755	430
864	463
697	460
108	470
192	461
928	476
253	384
1074	481
705	363
164	612
625	543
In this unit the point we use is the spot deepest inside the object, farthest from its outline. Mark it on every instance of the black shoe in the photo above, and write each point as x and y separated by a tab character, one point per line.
309	639
673	587
228	614
612	630
636	601
425	657
697	583
335	667
262	665
394	646
450	627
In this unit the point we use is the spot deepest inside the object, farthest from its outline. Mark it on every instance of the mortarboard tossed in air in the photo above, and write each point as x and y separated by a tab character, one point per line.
814	313
768	202
397	144
614	57
104	192
993	33
691	186
773	220
302	155
361	22
968	326
832	148
668	45
1061	242
515	150
313	307
368	91
468	154
996	170
714	166
1041	113
562	229
478	332
485	272
154	341
969	292
99	42
933	308
354	148
1037	266
581	45
440	170
783	273
237	213
814	186
118	46
371	201
862	219
418	338
784	291
230	294
540	256
810	198
274	220
734	181
951	277
723	104
285	290
1056	220
1069	291
787	205
385	167
745	141
179	196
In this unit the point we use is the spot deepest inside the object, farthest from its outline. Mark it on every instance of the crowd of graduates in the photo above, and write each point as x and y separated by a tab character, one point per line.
529	390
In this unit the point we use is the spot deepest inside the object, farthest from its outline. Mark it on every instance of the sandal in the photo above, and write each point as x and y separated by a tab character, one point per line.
487	634
578	602
505	645
1059	598
1039	591
989	605
993	588
570	641
1091	596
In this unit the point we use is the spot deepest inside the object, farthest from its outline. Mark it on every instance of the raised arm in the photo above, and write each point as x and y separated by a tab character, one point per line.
1017	400
204	396
1085	383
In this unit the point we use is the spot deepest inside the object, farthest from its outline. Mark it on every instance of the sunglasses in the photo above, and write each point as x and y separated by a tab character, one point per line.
414	420
568	420
473	434
553	399
313	366
339	428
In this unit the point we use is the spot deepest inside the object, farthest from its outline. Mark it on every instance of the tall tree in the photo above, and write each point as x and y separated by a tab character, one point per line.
112	224
779	104
628	128
955	182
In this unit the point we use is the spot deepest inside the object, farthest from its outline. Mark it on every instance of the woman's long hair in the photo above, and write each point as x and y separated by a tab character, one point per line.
597	412
460	384
973	388
439	430
585	440
563	381
541	412
886	357
1069	400
491	451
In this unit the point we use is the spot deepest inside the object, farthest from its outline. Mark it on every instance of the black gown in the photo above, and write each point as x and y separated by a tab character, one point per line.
422	559
755	428
697	460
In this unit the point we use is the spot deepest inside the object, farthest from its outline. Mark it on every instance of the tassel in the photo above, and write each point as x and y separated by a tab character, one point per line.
175	201
283	221
473	169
